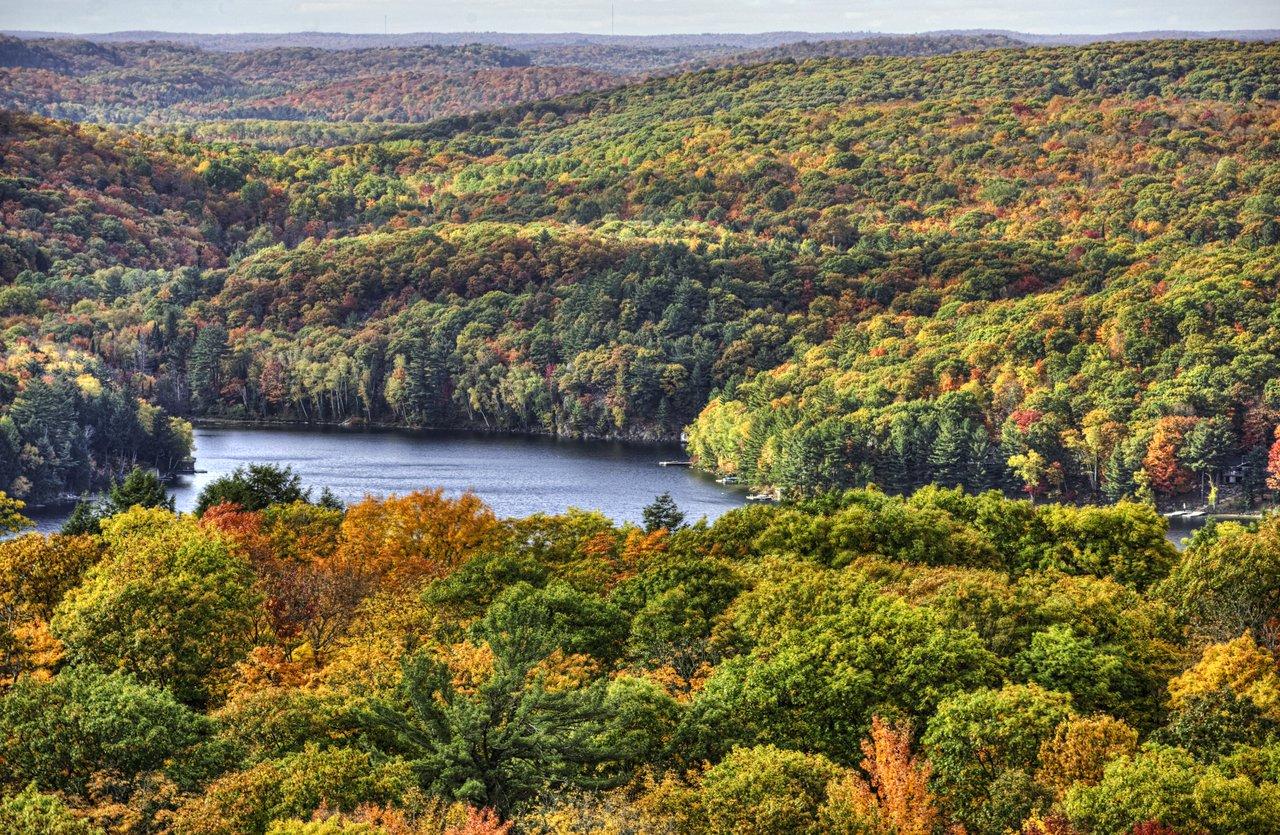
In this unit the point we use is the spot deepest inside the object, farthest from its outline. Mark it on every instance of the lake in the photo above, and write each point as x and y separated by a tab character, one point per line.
516	475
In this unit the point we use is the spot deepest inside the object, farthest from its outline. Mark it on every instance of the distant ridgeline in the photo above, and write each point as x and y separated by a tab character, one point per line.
161	82
1050	269
165	82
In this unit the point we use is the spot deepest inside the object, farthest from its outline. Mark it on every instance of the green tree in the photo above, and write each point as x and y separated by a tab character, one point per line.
1206	447
1228	582
949	456
169	603
985	747
817	684
254	487
516	734
1127	541
1059	659
140	488
765	790
330	778
662	513
59	734
30	813
1167	786
84	519
1210	725
204	365
676	603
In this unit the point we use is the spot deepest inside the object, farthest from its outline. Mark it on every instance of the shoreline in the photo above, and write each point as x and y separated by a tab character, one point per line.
70	500
517	477
358	424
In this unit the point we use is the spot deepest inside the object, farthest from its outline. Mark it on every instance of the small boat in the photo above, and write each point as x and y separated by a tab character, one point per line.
729	479
761	497
675	463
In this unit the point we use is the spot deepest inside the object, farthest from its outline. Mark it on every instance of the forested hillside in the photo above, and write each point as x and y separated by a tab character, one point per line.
164	82
897	291
905	45
412	665
161	82
1040	269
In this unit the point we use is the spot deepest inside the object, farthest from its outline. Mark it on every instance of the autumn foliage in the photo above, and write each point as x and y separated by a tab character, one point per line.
1168	475
893	292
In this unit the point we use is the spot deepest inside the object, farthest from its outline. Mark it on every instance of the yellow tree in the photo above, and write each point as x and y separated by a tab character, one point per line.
1241	666
11	518
1080	748
35	572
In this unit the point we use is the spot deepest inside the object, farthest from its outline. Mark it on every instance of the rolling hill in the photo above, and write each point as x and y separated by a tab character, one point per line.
1049	269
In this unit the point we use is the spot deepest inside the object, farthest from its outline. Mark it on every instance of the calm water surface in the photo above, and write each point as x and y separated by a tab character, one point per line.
515	475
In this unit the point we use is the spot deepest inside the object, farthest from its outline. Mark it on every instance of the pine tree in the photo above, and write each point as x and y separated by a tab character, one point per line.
1254	474
85	519
906	459
204	366
981	476
949	455
141	488
663	513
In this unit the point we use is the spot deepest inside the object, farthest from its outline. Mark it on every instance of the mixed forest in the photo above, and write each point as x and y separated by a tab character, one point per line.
160	82
974	309
1030	269
856	663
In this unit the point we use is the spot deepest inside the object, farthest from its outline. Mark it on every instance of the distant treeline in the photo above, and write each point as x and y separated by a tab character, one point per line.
165	82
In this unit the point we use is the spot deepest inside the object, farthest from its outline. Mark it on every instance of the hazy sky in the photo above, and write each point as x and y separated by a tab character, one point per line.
635	17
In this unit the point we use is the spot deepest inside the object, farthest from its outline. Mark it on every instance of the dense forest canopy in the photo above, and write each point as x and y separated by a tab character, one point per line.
895	290
1050	270
158	81
916	45
855	663
161	82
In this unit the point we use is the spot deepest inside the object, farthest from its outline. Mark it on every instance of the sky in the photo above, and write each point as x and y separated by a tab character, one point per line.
636	17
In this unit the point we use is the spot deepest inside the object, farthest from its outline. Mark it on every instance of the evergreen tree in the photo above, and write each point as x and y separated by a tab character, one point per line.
329	501
141	488
663	513
1205	447
1254	474
253	488
85	519
949	455
514	735
982	475
905	459
204	365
